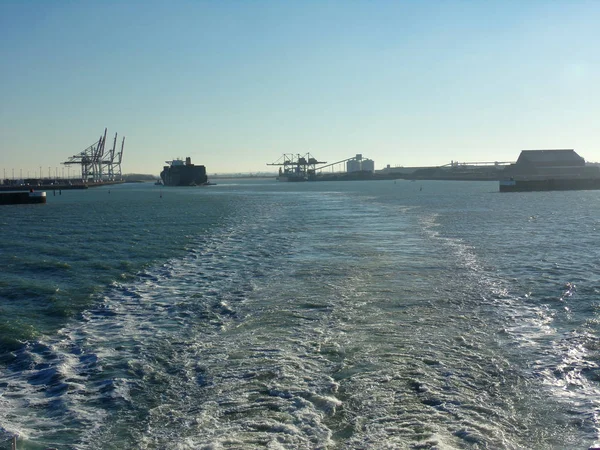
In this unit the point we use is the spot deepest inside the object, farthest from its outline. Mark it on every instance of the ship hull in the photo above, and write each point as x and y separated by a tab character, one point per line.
188	175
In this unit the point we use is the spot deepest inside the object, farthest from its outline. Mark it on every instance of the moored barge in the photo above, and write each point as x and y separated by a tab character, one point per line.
22	198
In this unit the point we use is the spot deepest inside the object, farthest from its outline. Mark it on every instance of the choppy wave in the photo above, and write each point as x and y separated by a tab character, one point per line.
364	320
558	359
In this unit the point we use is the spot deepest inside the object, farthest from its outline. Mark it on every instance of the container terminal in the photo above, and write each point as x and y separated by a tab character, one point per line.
98	165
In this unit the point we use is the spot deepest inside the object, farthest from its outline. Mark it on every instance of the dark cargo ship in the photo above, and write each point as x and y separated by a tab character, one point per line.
180	173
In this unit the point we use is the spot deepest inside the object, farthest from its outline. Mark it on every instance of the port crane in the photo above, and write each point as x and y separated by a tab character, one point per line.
96	165
297	165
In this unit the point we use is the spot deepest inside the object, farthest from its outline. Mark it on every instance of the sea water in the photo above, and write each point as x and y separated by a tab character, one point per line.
253	314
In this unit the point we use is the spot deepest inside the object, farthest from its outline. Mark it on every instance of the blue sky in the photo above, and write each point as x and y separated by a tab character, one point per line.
236	84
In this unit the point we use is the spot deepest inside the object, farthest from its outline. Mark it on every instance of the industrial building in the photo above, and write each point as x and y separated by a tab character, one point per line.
545	164
358	164
550	170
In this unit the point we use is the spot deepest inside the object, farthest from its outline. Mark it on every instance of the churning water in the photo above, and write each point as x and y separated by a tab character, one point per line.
258	314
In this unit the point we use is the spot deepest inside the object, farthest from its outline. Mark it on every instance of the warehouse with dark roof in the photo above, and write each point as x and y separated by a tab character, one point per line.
541	170
546	164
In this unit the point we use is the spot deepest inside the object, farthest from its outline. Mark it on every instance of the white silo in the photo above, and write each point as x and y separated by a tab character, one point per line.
368	165
353	165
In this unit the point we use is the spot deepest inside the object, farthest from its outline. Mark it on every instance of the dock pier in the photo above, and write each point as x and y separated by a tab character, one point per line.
22	198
